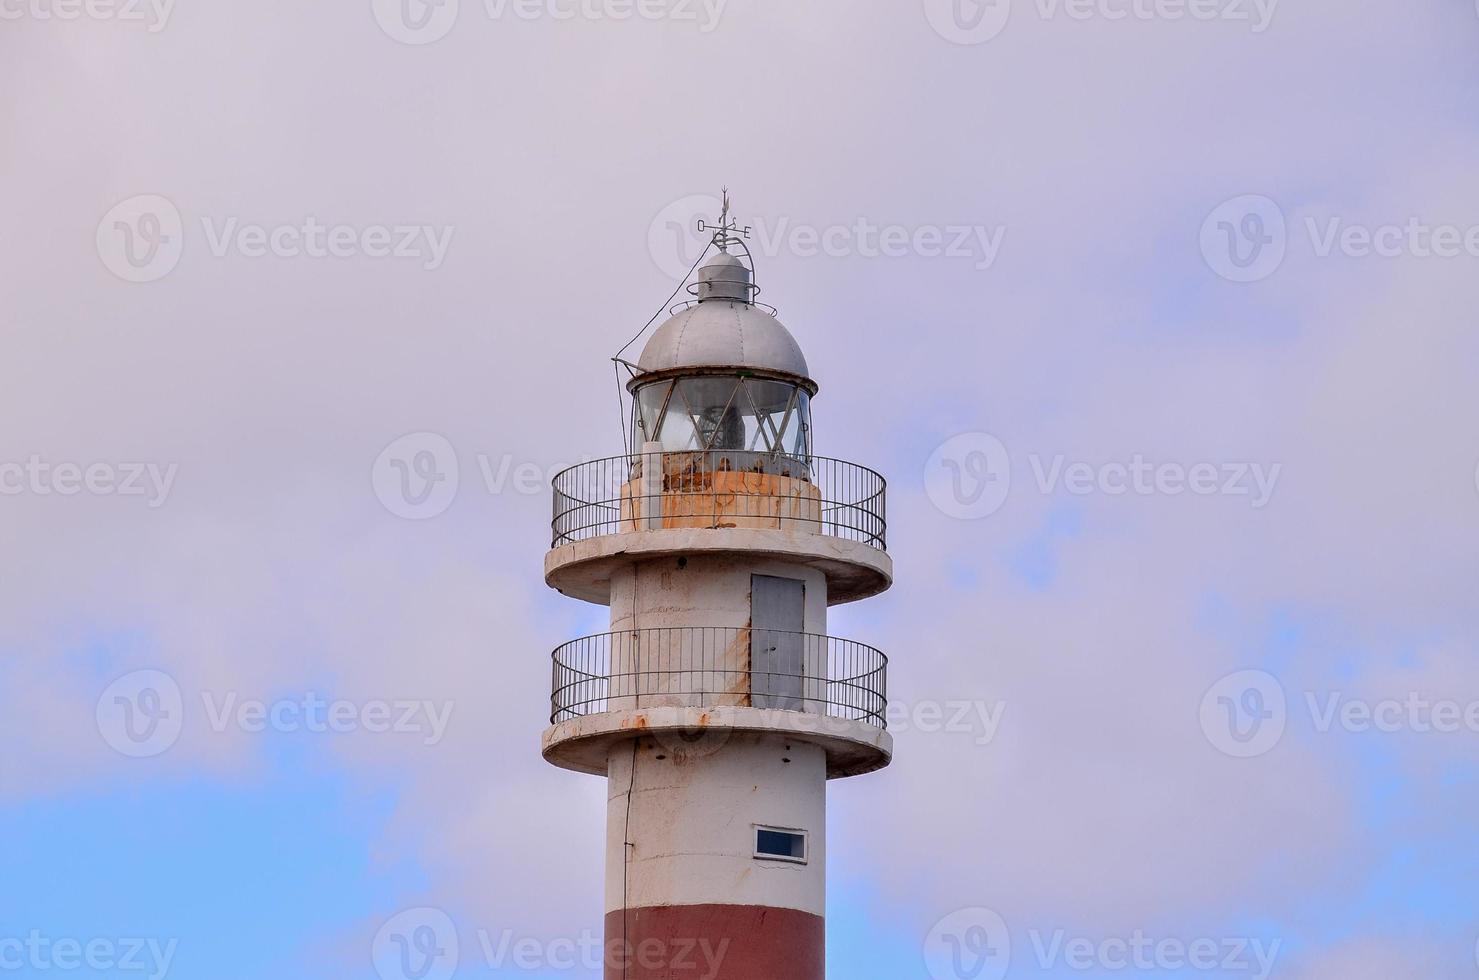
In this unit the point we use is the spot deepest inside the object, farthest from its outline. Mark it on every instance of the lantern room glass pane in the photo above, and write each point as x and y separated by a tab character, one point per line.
725	413
778	417
714	410
649	404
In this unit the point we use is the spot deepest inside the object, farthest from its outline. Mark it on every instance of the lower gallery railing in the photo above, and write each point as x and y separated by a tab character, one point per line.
716	666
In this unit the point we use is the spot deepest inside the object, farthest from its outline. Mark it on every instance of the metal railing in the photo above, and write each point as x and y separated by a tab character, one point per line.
719	488
712	666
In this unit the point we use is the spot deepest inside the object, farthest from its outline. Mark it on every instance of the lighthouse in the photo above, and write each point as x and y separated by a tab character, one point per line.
717	705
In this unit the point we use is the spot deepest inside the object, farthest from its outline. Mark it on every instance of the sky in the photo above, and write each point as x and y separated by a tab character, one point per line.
1157	315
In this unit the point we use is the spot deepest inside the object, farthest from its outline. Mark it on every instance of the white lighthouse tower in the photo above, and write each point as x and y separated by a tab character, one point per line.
717	706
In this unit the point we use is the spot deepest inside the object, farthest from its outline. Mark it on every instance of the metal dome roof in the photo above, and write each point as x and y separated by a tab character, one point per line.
723	330
719	333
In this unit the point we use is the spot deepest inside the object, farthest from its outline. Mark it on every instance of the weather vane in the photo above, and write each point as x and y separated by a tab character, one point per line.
727	231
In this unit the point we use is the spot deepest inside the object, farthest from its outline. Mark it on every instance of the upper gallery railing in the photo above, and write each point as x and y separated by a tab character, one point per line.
719	489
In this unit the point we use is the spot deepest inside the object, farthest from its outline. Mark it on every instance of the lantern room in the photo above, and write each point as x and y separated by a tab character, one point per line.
723	374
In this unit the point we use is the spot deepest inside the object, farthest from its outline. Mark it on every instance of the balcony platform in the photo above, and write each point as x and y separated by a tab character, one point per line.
582	569
583	744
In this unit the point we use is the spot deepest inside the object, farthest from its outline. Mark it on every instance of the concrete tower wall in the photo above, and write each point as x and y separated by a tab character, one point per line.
681	835
704	590
683	626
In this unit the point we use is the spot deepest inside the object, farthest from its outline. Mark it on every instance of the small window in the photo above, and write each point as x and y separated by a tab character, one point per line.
772	844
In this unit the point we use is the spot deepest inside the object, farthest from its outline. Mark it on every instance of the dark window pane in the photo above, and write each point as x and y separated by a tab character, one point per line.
778	843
